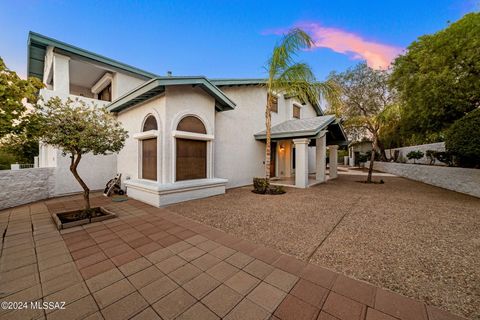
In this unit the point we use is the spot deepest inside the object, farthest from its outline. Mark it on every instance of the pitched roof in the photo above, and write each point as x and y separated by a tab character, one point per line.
37	46
157	86
298	128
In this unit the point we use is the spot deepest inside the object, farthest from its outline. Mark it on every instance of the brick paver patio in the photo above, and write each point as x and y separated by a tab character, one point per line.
153	264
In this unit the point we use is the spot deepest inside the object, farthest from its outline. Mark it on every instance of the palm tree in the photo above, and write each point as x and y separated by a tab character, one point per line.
295	79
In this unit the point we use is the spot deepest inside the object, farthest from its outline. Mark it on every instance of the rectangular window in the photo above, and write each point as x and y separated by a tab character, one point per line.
296	112
274	106
191	159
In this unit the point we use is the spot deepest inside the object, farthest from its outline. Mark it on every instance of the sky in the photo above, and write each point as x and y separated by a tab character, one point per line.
226	39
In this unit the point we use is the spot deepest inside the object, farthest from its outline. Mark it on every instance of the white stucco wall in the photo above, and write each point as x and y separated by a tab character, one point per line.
128	160
123	83
96	171
457	179
18	187
438	146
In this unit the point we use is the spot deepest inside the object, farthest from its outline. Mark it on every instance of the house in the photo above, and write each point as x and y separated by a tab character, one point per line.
355	149
189	137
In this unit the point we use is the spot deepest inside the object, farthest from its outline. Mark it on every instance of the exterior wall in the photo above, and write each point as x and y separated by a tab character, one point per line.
96	171
25	185
182	101
457	179
123	83
238	156
439	146
128	159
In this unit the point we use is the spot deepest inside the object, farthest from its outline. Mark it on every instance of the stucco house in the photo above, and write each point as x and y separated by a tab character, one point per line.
189	137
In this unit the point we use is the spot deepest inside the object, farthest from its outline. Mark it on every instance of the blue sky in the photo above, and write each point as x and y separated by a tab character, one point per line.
224	38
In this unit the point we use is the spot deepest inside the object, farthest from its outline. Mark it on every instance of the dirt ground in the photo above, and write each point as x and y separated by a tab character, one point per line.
415	239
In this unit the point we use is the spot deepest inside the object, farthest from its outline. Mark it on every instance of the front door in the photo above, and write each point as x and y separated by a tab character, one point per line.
149	159
273	157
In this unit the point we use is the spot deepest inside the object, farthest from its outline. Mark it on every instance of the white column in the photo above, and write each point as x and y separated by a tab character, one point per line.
321	153
301	162
333	161
61	74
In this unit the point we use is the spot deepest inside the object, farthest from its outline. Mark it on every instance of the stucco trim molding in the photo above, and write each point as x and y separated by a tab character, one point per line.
192	135
146	135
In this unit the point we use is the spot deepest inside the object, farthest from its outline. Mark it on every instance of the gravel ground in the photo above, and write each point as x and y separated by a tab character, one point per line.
415	239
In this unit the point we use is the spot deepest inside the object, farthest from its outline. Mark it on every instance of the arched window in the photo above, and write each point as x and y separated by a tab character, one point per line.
149	151
150	123
191	124
191	157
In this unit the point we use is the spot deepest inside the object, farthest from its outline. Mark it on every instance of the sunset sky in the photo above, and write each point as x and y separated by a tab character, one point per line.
225	38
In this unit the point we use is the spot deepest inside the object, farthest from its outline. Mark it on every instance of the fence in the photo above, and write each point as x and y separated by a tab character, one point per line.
402	155
462	180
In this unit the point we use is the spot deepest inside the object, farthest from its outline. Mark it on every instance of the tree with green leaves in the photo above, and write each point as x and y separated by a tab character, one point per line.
463	140
438	80
294	79
366	103
15	93
77	129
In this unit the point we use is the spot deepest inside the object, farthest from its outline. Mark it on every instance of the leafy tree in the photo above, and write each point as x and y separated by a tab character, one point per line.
78	129
366	103
415	155
14	93
438	79
463	139
292	78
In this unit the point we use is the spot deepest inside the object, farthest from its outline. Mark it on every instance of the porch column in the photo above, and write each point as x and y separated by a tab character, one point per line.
301	162
321	153
61	74
333	161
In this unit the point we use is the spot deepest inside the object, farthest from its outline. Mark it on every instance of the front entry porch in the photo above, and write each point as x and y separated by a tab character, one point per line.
300	150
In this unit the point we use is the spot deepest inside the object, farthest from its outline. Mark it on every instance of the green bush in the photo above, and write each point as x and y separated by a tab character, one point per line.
260	185
415	155
362	157
463	139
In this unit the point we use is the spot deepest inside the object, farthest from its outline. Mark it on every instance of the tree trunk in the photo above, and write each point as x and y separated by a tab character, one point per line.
381	147
372	160
268	126
86	190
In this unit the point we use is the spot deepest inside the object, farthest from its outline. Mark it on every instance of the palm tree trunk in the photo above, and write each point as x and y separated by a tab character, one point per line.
86	190
268	126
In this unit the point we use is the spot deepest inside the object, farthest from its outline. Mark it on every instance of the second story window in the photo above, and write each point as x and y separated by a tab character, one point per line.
106	93
296	111
274	105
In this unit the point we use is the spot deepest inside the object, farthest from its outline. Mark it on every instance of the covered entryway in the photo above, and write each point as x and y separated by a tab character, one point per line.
301	139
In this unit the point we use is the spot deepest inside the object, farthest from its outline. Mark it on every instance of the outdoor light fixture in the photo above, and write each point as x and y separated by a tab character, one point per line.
282	147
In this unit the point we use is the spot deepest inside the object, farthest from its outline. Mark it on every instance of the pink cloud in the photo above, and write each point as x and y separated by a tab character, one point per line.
377	55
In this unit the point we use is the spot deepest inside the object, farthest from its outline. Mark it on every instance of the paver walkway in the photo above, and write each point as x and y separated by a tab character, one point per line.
153	264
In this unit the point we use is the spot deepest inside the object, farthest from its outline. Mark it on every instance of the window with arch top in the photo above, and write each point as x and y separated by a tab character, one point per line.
150	123
191	154
191	124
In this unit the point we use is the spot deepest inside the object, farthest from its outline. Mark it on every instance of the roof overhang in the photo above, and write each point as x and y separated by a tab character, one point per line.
308	128
37	46
157	86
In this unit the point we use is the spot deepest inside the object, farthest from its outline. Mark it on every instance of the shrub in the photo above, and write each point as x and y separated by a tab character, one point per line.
415	155
260	185
362	157
463	139
445	157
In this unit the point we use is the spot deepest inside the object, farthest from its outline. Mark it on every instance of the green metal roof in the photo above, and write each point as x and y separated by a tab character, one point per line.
298	128
37	46
157	86
238	82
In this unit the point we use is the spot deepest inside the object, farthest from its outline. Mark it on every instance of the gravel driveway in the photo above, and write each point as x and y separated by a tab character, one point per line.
412	238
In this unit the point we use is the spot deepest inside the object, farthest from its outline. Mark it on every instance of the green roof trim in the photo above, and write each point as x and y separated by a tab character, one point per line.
157	86
37	45
238	82
294	128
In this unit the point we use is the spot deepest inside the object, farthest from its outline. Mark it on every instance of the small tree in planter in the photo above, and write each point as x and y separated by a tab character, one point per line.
415	155
78	129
